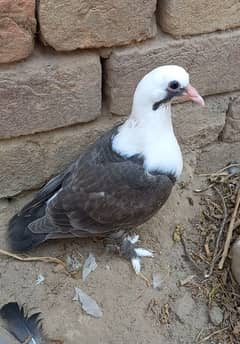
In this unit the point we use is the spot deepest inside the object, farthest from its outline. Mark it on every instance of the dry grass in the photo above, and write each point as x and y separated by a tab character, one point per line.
209	250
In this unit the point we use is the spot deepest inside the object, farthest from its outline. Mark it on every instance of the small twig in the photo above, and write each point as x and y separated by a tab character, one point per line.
199	335
205	189
237	224
140	274
211	335
230	231
30	259
219	171
215	254
188	254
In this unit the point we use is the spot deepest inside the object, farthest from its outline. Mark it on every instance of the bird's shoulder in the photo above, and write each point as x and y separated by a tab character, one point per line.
101	168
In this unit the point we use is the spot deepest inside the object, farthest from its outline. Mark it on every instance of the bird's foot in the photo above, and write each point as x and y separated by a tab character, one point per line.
129	250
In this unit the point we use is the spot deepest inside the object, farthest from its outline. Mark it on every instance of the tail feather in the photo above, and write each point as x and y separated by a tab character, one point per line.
20	237
23	327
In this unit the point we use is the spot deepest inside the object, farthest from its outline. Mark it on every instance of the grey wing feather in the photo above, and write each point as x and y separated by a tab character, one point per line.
105	199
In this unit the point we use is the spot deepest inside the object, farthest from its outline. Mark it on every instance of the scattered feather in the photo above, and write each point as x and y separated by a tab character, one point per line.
73	264
158	281
23	327
133	239
40	279
136	264
142	252
89	266
88	304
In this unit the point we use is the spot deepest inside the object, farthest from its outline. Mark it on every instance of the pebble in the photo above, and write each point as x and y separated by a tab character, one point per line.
235	260
216	315
184	307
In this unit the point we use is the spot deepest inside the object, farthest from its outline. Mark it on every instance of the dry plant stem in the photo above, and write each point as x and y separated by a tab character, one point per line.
188	255
230	231
31	259
199	335
237	224
140	274
205	189
211	335
215	254
219	171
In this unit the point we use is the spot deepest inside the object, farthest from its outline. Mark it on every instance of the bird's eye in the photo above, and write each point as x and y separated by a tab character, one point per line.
174	85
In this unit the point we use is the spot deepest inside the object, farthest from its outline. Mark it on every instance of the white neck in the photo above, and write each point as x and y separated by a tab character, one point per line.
150	135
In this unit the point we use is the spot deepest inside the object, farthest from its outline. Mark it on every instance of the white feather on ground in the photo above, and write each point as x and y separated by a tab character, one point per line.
89	305
89	266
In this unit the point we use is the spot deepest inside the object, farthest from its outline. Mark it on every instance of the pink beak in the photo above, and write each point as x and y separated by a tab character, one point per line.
191	93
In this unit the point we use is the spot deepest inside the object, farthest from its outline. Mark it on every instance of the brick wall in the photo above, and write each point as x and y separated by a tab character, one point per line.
68	70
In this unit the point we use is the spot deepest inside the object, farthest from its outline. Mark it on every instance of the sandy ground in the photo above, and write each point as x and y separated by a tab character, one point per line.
132	311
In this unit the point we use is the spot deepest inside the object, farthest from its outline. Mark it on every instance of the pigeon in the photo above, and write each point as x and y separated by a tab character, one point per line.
120	181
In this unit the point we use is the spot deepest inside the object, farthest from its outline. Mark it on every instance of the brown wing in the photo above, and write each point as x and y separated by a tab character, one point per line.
96	199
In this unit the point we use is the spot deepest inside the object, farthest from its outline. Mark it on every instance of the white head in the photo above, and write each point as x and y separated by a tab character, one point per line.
160	86
148	131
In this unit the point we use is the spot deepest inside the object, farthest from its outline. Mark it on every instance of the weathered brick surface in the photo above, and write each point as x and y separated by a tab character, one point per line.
188	18
198	126
231	132
212	61
49	91
27	162
214	157
68	25
17	26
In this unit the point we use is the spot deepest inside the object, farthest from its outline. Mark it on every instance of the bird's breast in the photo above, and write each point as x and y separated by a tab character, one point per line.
165	158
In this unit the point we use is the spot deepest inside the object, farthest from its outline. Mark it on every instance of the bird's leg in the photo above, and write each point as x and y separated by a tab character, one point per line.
129	250
126	247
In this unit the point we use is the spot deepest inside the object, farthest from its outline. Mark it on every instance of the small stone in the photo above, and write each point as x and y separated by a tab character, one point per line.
184	307
235	260
232	125
216	315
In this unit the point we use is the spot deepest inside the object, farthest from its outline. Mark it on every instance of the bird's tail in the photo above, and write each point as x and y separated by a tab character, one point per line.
20	237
